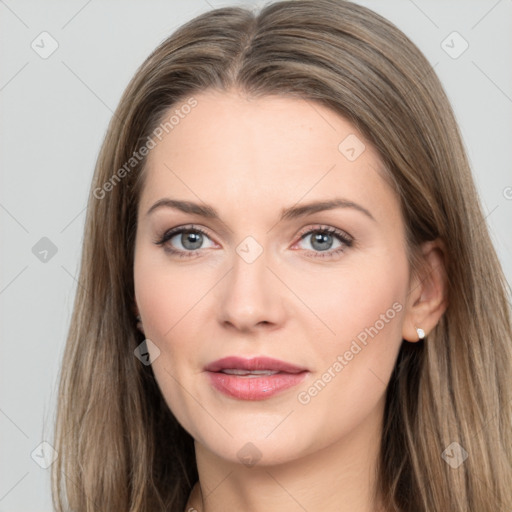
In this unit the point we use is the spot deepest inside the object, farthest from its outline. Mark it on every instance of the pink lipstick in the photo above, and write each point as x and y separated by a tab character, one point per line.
257	378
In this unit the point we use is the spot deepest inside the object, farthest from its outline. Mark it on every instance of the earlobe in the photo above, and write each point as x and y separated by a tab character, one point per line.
413	334
427	293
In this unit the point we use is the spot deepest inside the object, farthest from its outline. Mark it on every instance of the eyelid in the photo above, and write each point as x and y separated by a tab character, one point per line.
326	228
164	237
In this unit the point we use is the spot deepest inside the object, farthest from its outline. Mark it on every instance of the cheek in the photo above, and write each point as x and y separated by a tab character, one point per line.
355	366
372	308
168	300
361	302
164	297
163	293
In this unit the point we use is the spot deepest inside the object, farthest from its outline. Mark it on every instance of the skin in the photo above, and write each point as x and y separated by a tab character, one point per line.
249	159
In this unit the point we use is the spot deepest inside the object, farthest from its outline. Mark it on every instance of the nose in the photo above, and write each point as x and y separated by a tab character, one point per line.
251	297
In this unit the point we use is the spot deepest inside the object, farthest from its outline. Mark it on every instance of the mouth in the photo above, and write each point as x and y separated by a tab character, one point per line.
248	373
257	378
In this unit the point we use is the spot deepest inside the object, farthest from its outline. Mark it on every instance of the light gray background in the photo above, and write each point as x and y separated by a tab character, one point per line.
54	115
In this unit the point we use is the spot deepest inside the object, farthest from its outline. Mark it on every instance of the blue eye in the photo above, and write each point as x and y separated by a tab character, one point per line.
322	239
190	238
186	241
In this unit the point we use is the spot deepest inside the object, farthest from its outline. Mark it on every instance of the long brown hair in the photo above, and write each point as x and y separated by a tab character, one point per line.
120	447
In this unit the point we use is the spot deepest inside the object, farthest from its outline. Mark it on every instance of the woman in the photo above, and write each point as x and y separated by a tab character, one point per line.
289	295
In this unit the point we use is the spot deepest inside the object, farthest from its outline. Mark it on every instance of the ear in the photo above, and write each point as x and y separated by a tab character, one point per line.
427	296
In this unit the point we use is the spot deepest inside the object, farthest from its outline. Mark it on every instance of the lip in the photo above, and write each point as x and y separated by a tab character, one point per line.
254	387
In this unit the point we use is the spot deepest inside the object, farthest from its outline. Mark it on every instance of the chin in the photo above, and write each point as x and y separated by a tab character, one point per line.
259	451
260	439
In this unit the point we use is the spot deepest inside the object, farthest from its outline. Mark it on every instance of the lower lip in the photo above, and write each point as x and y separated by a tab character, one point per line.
254	388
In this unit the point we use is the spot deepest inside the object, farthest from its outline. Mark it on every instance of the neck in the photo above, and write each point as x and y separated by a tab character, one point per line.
339	478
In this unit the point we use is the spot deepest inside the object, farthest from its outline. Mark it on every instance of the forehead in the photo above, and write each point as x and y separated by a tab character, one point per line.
272	149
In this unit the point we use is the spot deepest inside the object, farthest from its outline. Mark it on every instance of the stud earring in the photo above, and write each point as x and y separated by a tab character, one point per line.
421	333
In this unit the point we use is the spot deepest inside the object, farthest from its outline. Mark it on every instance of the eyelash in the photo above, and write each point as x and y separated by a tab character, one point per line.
345	239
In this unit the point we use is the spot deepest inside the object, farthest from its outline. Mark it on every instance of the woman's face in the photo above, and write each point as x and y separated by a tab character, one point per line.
287	244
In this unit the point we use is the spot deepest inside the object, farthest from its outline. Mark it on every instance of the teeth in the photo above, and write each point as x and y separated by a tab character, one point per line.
234	371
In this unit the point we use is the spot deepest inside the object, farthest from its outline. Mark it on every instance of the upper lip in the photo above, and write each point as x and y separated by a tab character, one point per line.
254	363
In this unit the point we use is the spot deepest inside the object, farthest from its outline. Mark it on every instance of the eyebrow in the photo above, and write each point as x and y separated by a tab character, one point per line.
293	212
